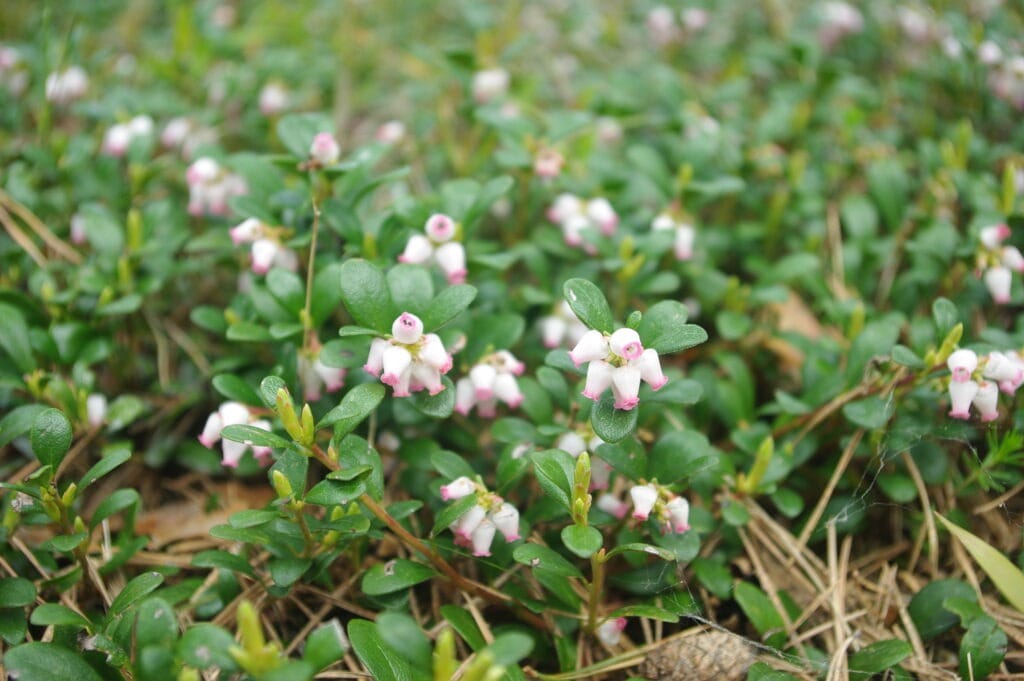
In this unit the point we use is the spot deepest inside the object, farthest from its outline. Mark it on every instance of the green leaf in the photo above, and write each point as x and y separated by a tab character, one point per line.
763	615
879	656
439	406
664	328
401	633
450	465
223	560
56	614
287	288
411	289
326	645
248	332
1005	575
463	623
285	571
901	354
206	645
49	662
123	411
16	592
113	504
50	437
395	575
510	646
898	487
133	591
714	575
870	412
583	540
452	512
268	389
356	405
335	492
353	330
611	424
589	304
296	131
293	466
945	315
155	624
104	466
982	648
639	547
364	290
254	436
643	610
542	558
554	470
326	295
14	338
375	655
888	184
19	421
686	391
626	458
926	608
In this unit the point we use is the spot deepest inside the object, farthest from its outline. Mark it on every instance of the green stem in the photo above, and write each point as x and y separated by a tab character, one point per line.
307	316
596	588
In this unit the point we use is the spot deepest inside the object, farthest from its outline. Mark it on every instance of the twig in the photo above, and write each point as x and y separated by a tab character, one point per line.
844	461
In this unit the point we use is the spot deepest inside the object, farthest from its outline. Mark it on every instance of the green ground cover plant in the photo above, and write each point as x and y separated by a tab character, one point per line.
481	341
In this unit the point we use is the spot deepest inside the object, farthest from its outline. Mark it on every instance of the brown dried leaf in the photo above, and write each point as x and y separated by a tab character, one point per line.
708	656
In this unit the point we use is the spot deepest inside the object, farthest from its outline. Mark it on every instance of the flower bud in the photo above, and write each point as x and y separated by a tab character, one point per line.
610	631
324	149
407	328
626	387
440	228
986	401
452	259
993	235
626	343
468	521
96	409
678	514
962	364
247	231
650	369
644	498
482	537
375	359
611	504
458	488
999	280
593	346
599	378
506	519
961	394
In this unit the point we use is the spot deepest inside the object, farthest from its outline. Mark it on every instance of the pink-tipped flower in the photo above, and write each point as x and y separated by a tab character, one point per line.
678	510
78	231
999	367
246	232
600	473
483	376
451	257
175	132
407	328
116	140
1012	258
548	164
482	538
564	207
397	362
612	505
440	228
683	247
601	213
274	99
433	354
592	346
391	132
610	631
961	394
96	409
571	441
375	361
644	497
986	400
650	369
324	149
626	344
998	281
264	252
469	521
418	250
458	488
993	235
465	396
626	386
506	520
962	364
211	431
599	378
506	389
202	171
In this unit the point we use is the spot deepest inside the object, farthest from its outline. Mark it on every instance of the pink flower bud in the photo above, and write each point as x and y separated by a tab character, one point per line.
96	410
440	228
564	207
116	140
626	387
175	132
433	354
427	377
603	215
600	473
998	280
452	259
962	364
1013	258
552	331
571	442
375	360
264	252
506	520
509	363
202	171
396	362
572	229
246	231
417	250
232	453
961	394
1000	368
458	488
465	396
644	498
391	132
407	328
678	514
468	521
993	235
333	377
482	537
489	85
274	99
324	149
78	231
685	235
986	401
483	376
626	344
612	505
650	369
610	631
599	378
506	389
592	346
663	221
548	164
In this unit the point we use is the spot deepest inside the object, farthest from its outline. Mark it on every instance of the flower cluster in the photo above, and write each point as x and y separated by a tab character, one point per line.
491	514
998	262
210	186
410	360
64	87
13	76
574	215
684	234
561	325
233	414
491	380
618	361
547	164
671	511
438	246
317	376
999	371
266	249
120	135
